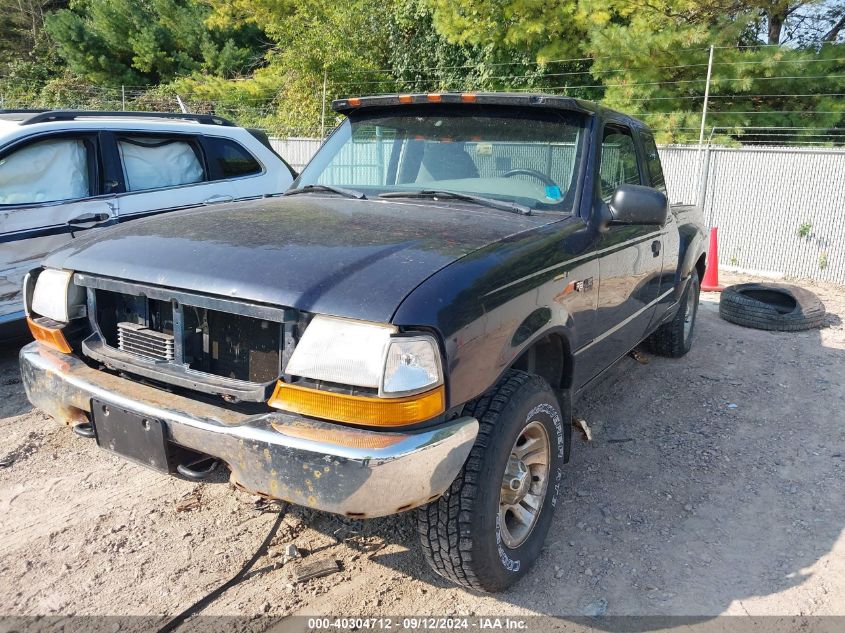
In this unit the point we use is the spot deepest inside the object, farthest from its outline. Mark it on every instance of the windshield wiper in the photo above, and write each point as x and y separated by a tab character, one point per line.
347	193
511	207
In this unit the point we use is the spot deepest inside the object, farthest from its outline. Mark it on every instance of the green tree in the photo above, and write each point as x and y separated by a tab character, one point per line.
311	41
28	58
22	27
650	59
357	48
114	42
420	58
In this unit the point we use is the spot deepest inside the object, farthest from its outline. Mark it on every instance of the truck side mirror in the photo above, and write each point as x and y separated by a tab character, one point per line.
635	204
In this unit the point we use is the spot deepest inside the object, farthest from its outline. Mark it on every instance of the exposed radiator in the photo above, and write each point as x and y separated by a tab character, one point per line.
145	342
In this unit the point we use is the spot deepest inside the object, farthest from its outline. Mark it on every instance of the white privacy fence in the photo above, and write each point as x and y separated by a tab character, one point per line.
296	151
779	210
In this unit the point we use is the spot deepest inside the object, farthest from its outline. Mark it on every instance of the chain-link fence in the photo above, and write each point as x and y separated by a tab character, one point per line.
778	209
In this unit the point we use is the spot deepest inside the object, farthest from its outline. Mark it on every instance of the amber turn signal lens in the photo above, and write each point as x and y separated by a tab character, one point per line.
51	337
366	411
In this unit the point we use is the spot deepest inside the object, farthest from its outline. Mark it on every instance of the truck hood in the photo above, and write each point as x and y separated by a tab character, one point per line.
329	255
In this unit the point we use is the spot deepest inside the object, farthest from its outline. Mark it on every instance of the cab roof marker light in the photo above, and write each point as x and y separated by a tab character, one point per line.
468	97
406	99
434	97
354	101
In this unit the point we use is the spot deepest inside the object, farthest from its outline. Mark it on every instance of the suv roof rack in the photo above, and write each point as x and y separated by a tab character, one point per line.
19	114
45	116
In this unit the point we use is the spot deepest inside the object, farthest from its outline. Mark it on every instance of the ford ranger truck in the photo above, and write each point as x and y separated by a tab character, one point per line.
405	328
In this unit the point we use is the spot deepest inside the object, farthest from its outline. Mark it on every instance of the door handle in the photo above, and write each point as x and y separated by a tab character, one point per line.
655	247
89	219
218	199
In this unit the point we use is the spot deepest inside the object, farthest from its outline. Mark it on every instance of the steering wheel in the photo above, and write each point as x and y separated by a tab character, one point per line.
534	174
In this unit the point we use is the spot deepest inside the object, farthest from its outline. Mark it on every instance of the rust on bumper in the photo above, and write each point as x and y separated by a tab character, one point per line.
308	462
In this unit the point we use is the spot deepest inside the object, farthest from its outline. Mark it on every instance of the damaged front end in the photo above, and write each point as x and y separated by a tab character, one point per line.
177	381
320	465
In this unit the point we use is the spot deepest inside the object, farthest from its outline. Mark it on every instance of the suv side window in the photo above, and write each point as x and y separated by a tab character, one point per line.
49	170
157	162
652	161
228	159
618	161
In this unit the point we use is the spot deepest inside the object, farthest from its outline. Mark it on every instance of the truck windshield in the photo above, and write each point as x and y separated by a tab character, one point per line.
524	156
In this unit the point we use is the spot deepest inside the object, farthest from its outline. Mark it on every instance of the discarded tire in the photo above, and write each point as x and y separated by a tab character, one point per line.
775	307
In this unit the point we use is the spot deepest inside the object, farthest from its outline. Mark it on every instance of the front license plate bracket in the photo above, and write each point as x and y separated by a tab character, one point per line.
137	437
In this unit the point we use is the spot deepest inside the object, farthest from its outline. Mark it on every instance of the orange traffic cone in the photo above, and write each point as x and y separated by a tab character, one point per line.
710	283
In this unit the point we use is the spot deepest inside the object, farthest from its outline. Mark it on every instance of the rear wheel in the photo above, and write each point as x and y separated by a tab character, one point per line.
488	528
674	339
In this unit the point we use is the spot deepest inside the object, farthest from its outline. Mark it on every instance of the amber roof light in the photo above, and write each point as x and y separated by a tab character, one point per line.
520	99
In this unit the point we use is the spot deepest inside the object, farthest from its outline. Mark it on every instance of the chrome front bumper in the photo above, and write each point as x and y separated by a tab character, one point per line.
307	462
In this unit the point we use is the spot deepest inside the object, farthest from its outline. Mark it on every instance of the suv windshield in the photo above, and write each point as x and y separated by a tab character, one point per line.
524	156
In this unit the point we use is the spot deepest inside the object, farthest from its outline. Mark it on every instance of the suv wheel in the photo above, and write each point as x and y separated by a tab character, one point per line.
674	339
488	528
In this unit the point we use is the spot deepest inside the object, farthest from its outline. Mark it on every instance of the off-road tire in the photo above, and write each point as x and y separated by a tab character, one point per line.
672	339
774	307
460	532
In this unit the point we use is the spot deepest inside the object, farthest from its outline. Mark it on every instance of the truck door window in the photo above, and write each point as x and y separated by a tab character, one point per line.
47	171
156	162
618	161
652	161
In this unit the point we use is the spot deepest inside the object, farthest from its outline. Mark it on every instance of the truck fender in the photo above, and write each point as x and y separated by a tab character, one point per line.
563	388
692	249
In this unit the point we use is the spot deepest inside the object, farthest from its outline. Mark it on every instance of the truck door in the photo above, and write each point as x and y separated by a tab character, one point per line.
630	256
669	277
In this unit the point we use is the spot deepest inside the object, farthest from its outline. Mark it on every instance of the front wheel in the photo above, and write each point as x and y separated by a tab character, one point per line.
488	528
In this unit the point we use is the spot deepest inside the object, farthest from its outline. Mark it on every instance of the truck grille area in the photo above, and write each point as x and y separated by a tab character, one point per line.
191	338
231	345
140	340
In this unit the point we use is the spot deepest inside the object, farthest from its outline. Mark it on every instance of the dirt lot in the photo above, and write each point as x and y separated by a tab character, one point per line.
713	485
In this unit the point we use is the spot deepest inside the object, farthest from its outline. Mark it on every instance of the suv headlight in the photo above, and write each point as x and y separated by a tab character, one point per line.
365	354
57	297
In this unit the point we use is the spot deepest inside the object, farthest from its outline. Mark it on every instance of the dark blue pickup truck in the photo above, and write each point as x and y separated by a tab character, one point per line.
405	328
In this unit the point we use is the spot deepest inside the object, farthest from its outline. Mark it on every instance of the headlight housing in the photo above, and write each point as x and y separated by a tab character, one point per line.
412	364
56	296
371	355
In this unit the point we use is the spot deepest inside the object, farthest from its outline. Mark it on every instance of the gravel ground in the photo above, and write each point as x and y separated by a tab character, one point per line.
712	485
